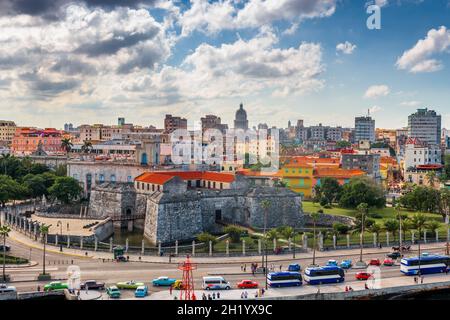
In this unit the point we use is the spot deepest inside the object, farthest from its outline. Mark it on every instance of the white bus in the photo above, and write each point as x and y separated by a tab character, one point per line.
215	283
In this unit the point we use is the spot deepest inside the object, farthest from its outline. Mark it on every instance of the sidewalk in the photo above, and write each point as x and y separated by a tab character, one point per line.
344	253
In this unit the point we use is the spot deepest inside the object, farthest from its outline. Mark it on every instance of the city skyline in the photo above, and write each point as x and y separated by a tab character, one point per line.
318	63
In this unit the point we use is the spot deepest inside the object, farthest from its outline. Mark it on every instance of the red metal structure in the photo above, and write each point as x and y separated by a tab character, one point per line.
187	289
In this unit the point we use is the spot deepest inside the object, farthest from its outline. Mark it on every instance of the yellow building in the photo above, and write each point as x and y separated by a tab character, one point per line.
298	176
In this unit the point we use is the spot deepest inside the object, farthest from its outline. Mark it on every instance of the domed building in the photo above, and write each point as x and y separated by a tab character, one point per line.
240	120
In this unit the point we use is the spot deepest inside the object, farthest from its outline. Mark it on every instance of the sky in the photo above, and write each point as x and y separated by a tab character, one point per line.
93	61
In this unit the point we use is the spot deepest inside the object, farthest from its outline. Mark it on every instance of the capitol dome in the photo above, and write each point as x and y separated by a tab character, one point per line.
241	121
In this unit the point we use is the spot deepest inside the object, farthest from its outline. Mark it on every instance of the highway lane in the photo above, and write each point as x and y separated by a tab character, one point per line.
112	272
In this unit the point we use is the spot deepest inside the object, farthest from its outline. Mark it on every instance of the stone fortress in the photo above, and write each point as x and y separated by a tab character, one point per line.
178	205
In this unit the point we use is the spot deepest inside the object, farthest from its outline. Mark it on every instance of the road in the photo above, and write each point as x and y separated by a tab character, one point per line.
113	272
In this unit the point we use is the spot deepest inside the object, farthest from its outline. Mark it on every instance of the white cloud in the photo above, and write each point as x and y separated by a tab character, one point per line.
346	47
381	3
212	17
410	103
377	91
375	109
417	59
243	68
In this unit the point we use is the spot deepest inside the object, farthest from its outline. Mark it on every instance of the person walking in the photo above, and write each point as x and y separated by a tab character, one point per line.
218	295
170	290
281	267
214	295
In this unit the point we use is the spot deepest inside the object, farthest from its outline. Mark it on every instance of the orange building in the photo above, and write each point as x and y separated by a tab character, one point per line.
27	140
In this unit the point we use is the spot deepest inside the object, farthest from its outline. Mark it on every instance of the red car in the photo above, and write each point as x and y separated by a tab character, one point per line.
388	262
363	276
247	284
375	262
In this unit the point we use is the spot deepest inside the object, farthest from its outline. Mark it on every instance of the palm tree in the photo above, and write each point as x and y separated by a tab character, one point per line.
363	208
391	226
44	231
419	222
445	207
265	205
289	233
4	232
86	147
431	177
314	216
376	228
66	144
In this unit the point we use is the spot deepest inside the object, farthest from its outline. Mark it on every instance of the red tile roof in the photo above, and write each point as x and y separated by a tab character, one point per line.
161	177
154	178
337	173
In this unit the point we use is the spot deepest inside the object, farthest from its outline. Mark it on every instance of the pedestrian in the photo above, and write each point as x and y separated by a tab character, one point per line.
170	290
242	267
421	279
262	291
365	286
281	266
245	267
256	294
87	288
246	294
203	296
242	295
39	288
209	297
214	295
346	289
218	295
415	279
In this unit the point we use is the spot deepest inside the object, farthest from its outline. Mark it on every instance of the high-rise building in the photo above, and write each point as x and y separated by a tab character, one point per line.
121	121
364	129
426	126
211	121
68	127
7	131
173	123
240	120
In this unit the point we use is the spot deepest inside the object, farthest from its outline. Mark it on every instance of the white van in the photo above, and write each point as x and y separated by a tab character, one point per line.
215	283
7	289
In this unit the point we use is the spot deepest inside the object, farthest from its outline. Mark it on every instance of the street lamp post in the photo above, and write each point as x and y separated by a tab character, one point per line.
59	224
293	252
265	246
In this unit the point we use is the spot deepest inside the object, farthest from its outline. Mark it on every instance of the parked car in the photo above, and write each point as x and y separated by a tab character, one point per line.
113	292
129	285
92	285
394	255
363	276
346	264
7	289
55	286
163	281
294	267
6	248
141	292
388	262
247	284
332	263
375	262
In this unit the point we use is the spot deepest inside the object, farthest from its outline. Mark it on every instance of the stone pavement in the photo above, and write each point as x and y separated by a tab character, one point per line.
21	238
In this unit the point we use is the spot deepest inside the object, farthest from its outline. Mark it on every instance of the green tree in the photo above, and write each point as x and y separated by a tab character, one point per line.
392	226
314	217
43	229
362	190
363	209
419	222
340	228
376	228
445	209
10	190
343	144
35	185
206	237
433	226
330	191
234	232
66	144
431	178
65	189
422	198
61	170
4	232
86	147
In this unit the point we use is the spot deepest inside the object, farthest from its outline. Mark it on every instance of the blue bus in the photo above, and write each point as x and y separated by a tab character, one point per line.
284	279
326	274
428	264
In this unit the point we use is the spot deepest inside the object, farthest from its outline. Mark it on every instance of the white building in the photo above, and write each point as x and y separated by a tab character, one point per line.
417	153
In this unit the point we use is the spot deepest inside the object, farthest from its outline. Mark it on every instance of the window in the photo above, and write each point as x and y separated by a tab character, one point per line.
113	178
102	178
